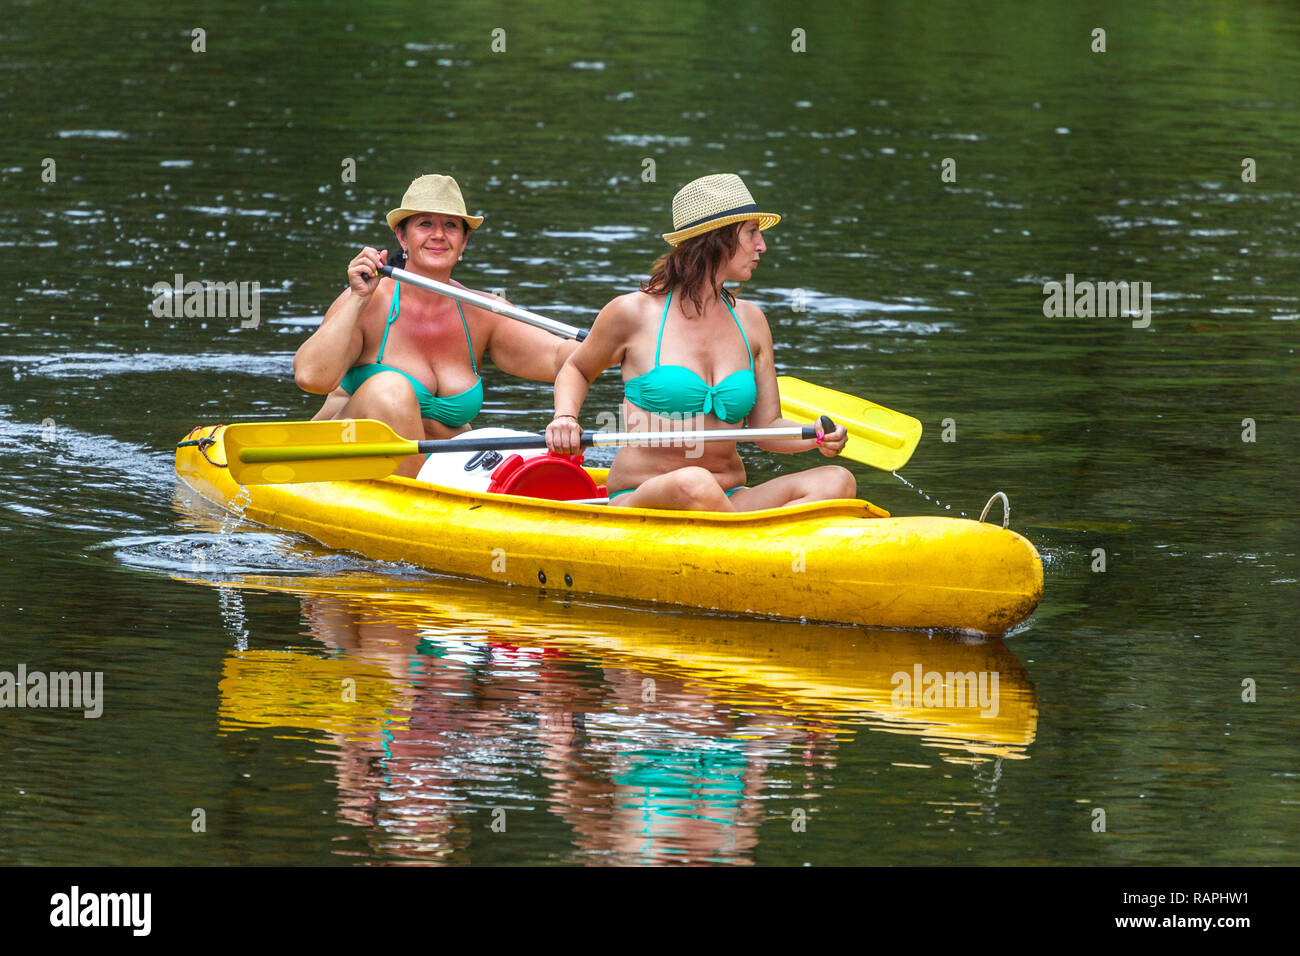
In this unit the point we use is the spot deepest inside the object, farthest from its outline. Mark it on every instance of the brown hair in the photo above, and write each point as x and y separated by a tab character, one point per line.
691	266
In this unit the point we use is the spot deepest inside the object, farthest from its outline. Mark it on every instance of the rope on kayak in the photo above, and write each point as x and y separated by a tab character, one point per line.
1006	508
203	442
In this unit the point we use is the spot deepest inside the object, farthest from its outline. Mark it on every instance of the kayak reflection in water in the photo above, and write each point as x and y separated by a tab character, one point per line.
694	357
410	357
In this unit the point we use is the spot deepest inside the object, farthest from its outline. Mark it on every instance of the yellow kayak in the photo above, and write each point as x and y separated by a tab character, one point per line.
843	561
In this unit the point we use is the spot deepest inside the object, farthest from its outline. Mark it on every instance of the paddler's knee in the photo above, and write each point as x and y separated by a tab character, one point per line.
836	481
385	396
696	488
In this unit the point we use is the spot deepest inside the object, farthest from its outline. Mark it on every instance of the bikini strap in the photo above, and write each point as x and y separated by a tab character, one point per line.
392	317
742	331
662	323
468	340
393	311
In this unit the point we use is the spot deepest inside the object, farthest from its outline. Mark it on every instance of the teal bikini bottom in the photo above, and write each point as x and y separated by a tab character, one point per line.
628	491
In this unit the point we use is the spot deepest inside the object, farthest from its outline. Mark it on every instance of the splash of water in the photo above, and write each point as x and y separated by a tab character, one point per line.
920	492
231	602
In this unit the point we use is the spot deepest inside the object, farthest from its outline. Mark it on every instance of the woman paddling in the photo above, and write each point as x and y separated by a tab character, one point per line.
410	357
693	357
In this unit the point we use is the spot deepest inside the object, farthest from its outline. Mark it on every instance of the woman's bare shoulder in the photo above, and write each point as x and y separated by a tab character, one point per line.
752	318
628	310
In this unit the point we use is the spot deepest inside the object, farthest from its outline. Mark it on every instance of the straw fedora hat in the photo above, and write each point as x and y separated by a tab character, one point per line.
711	202
433	193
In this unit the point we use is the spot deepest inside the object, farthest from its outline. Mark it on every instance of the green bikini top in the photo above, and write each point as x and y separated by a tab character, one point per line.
451	410
676	390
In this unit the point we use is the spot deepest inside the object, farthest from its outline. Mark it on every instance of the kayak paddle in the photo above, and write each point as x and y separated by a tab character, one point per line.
486	302
261	453
878	436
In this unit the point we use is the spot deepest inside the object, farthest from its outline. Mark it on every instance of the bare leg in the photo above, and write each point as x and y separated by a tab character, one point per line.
815	484
686	489
389	398
334	403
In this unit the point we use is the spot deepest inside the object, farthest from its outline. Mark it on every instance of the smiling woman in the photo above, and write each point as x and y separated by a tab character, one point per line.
422	377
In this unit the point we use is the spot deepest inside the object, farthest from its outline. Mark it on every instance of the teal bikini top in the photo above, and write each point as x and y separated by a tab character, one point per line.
451	410
676	390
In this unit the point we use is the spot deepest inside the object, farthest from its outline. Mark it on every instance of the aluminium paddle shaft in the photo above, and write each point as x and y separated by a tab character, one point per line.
600	439
335	449
486	302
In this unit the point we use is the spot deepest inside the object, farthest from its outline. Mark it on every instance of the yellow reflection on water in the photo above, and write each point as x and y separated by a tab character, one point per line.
656	735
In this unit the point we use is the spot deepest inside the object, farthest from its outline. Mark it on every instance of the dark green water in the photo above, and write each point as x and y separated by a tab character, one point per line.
221	644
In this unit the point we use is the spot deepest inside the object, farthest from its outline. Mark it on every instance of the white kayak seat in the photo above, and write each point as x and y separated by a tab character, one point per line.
472	470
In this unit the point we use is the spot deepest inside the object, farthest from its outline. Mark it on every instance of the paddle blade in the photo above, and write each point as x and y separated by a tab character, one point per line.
263	453
878	436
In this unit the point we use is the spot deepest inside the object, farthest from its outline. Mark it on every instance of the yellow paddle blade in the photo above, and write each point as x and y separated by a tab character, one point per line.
264	453
878	437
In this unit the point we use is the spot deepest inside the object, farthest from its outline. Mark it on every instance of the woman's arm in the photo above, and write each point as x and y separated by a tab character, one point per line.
321	361
604	346
525	351
767	409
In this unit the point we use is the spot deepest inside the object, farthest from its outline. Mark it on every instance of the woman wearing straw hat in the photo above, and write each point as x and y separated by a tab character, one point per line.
694	356
419	375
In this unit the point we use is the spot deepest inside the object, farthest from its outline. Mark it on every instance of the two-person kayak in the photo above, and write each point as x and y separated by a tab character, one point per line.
842	561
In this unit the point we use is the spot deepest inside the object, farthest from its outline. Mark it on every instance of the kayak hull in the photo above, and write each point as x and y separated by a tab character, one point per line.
839	561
